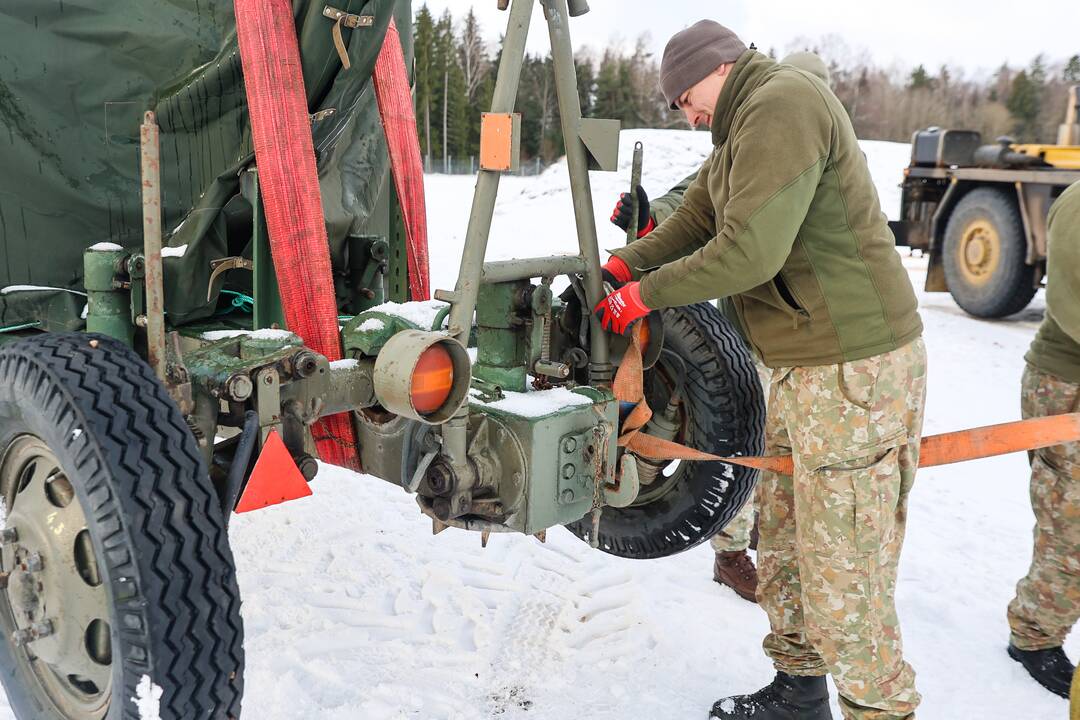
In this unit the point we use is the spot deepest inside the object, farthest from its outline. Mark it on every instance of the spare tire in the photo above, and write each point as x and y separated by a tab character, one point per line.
722	412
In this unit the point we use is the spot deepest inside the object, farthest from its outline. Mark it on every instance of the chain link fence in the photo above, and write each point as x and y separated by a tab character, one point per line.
470	165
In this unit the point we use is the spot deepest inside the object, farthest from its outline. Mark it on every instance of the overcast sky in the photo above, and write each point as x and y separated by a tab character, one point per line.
976	35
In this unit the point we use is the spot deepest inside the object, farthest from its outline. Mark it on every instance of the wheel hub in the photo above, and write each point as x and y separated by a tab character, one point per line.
55	598
980	252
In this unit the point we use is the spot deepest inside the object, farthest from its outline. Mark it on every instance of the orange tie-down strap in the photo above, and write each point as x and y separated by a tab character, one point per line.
942	449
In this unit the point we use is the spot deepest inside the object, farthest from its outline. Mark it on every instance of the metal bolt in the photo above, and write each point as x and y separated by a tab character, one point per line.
569	471
36	631
569	445
239	387
141	321
9	535
567	496
35	563
305	363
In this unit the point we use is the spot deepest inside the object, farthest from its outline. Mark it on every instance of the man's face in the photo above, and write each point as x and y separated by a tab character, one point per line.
699	102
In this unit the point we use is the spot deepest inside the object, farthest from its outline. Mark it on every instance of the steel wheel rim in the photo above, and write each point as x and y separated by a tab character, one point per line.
72	664
979	252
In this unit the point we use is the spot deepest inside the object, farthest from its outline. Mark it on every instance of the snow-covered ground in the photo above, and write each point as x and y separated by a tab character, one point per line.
353	610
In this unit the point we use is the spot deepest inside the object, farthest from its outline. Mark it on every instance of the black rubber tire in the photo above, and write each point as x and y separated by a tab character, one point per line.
726	409
1010	288
155	522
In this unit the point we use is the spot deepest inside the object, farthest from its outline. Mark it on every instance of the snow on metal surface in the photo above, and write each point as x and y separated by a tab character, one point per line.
421	313
374	325
536	403
105	247
266	334
346	364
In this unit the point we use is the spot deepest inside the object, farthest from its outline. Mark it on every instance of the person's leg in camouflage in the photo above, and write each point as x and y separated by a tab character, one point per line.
1047	602
831	535
733	566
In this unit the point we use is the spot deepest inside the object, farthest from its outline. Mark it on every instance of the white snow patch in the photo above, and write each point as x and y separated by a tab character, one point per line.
148	699
266	334
105	247
85	311
36	288
375	325
174	252
76	433
215	335
346	364
536	403
420	313
271	334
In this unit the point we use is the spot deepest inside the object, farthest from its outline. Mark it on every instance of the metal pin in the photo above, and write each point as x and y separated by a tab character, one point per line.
437	526
484	535
541	536
36	631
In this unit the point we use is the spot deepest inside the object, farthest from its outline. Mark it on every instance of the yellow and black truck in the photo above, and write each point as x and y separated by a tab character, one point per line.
979	211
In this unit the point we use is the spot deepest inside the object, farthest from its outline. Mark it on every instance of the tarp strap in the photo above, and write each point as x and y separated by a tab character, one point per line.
394	95
285	153
344	19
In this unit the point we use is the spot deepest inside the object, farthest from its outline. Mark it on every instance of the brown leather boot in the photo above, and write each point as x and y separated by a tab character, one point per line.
736	570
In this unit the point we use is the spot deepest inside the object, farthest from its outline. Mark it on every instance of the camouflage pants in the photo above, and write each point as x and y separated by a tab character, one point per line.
736	534
1047	602
831	534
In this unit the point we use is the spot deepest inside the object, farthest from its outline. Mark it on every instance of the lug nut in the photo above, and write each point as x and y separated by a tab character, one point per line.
36	631
9	535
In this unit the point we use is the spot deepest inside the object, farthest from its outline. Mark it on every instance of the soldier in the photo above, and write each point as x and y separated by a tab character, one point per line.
732	566
1047	602
784	218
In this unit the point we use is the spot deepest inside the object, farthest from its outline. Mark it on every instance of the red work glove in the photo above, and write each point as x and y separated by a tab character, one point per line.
616	272
619	310
621	217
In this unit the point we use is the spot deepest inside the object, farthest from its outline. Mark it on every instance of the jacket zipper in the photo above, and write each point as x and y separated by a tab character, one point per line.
797	311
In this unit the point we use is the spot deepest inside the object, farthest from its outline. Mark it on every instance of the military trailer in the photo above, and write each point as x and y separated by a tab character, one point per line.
980	210
213	277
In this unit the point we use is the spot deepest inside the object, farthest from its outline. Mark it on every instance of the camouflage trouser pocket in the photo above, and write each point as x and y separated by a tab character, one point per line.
854	504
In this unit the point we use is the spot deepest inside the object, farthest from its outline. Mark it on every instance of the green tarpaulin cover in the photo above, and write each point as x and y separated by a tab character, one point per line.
76	77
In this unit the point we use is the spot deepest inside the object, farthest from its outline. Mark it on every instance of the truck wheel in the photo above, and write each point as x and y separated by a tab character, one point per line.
118	582
984	255
722	412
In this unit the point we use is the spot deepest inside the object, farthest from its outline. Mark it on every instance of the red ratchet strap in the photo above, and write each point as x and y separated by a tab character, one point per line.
394	95
289	183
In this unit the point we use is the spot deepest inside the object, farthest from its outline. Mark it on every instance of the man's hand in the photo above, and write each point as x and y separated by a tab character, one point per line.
621	217
616	272
619	310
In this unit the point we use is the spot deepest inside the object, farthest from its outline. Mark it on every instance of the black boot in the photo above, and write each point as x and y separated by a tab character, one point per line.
787	697
1050	667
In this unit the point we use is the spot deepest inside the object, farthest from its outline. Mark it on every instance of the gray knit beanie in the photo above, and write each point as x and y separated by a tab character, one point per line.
694	53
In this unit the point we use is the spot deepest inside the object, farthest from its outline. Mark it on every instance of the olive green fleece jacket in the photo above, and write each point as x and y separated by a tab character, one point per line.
784	218
662	207
1056	349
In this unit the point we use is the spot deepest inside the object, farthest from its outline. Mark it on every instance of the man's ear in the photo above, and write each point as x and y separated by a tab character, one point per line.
724	69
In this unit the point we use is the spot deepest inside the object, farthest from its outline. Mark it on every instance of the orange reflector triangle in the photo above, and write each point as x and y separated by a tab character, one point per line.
275	479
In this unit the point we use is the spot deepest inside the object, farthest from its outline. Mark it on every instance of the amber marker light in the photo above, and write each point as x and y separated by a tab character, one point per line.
432	379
